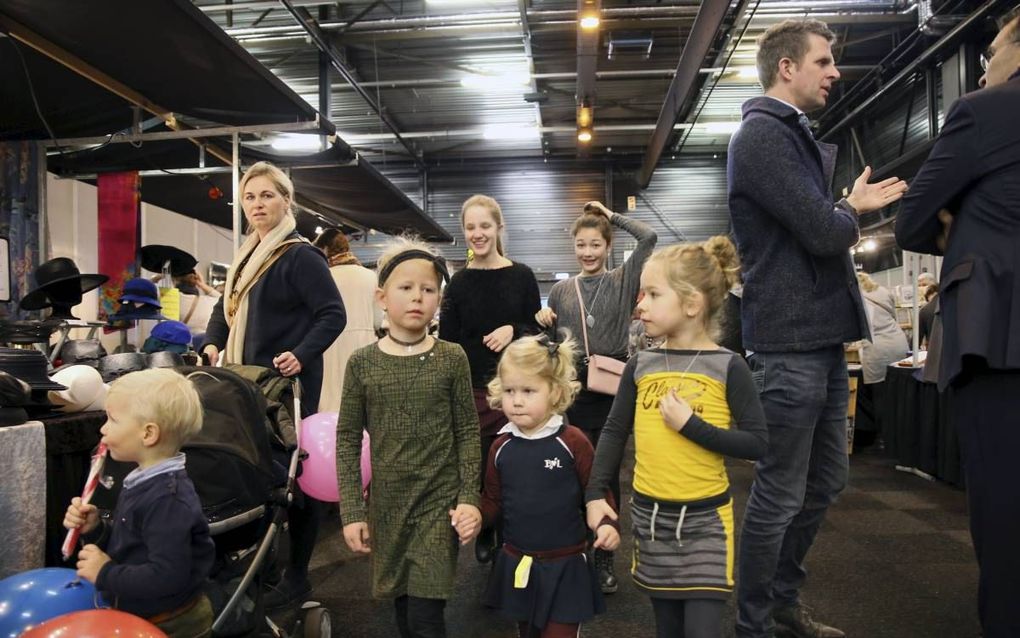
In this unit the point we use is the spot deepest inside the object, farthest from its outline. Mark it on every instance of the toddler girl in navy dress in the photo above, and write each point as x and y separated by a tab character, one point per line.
535	480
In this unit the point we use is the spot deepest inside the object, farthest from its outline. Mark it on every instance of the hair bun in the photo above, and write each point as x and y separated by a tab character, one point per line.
721	248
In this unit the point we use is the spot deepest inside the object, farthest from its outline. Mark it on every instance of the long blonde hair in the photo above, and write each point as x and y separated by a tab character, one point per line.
710	268
552	362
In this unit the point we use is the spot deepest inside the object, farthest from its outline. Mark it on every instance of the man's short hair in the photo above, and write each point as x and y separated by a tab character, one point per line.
788	39
1011	16
163	397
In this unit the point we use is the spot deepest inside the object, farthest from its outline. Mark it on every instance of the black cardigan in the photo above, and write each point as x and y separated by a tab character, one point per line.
295	306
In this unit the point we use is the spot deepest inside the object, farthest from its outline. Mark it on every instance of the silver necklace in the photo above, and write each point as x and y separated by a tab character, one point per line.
665	353
590	319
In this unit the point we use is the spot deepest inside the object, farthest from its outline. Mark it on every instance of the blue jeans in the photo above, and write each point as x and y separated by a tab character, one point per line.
804	395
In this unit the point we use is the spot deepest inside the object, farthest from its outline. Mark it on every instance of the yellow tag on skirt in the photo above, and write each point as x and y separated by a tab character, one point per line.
522	572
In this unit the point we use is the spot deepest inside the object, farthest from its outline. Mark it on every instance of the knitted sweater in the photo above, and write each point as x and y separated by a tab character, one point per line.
478	301
800	289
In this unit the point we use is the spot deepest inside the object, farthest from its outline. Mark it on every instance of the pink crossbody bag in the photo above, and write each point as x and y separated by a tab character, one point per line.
603	372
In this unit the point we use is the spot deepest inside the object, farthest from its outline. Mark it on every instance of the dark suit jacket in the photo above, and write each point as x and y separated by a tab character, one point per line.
974	171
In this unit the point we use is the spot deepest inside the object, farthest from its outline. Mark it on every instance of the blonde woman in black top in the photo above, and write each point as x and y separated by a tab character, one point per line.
487	304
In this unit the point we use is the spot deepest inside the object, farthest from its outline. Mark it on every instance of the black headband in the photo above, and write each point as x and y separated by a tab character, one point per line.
438	262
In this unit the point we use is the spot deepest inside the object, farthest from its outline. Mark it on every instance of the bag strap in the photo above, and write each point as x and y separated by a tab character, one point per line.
584	323
191	310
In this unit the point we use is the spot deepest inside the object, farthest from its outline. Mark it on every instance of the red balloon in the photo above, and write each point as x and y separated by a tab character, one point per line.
95	623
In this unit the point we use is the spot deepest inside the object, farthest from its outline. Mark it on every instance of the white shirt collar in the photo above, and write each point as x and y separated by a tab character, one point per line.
792	106
551	427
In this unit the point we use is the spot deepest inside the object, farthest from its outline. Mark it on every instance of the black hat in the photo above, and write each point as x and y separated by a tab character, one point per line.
48	277
113	366
12	416
82	352
28	332
13	391
155	255
165	359
28	365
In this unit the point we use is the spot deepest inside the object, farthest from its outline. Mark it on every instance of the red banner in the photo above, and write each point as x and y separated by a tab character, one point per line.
118	236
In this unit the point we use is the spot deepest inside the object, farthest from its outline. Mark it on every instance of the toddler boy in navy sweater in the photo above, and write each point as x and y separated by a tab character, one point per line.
158	552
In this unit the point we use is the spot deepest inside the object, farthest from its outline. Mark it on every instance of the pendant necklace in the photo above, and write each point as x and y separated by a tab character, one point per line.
590	319
409	344
665	353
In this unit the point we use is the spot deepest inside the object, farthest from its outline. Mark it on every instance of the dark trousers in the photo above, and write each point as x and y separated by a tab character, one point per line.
804	395
303	518
420	617
688	618
986	412
589	413
551	630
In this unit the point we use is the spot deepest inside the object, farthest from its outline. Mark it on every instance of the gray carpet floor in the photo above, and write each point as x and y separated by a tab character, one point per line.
893	559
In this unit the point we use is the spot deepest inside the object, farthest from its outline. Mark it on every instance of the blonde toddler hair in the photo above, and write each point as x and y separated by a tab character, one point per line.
164	397
710	267
553	363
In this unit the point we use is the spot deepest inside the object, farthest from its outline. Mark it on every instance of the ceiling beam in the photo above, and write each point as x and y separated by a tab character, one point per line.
319	37
703	34
522	9
587	62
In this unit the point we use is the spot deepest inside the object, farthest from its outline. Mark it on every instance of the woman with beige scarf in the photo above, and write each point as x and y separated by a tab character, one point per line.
357	286
281	310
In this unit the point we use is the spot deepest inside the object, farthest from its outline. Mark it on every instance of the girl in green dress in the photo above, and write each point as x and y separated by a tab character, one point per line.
412	393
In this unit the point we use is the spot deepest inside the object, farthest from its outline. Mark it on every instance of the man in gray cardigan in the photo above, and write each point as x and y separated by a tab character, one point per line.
801	303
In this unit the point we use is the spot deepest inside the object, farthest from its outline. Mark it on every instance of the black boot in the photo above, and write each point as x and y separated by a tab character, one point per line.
604	571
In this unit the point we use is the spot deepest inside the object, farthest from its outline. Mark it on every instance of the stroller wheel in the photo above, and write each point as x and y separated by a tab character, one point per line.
318	623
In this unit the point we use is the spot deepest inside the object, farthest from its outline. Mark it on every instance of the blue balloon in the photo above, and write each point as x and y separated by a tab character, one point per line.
33	597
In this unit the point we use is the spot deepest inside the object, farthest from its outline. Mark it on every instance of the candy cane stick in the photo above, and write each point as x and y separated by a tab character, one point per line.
96	469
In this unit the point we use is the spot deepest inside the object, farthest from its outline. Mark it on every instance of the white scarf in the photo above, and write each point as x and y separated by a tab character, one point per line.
257	252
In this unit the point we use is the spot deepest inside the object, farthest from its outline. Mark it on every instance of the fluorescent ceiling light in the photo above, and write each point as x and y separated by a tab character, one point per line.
746	72
509	132
512	80
719	128
296	142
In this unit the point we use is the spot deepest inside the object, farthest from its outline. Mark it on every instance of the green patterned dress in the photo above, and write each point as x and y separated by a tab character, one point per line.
420	414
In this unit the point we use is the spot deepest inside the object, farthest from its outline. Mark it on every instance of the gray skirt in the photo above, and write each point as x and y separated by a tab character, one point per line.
682	551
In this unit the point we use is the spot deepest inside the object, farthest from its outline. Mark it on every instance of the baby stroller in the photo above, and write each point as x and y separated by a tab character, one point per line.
245	494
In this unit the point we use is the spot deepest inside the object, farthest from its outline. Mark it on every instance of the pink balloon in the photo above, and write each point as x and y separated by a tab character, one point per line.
95	623
318	472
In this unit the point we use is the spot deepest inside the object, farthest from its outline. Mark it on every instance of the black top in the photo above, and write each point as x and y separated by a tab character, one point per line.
477	301
295	306
159	545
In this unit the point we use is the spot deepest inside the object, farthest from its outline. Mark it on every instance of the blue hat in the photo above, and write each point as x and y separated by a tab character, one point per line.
172	332
128	312
141	290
